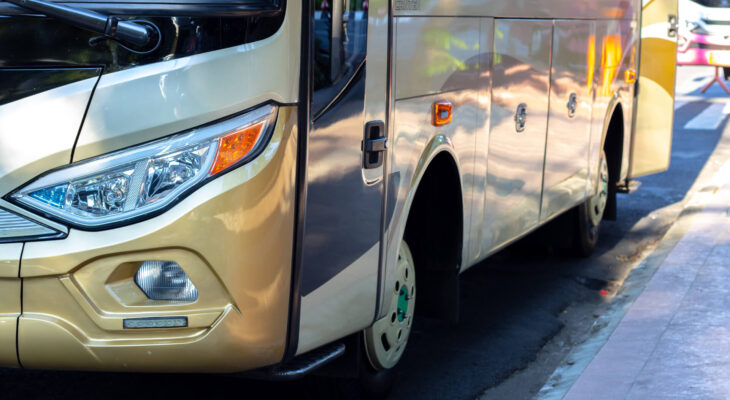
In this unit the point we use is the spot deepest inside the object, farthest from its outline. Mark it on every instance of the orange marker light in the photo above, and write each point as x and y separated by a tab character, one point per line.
630	76
236	145
442	113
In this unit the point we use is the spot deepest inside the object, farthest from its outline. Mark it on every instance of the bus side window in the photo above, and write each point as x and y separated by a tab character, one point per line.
340	33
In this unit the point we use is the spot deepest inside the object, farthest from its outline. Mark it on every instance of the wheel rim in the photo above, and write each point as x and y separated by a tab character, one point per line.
597	203
386	340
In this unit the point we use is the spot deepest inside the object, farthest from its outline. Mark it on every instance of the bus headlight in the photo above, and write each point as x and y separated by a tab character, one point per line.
129	184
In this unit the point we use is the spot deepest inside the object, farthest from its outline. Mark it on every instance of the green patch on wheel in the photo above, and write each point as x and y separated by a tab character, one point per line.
402	303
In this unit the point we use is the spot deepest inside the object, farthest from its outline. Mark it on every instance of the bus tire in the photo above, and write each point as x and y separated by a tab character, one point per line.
590	213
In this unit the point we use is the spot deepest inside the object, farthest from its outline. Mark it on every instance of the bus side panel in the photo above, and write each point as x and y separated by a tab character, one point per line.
521	81
584	9
571	102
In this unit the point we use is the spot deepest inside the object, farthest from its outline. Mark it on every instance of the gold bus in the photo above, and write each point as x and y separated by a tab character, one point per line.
272	185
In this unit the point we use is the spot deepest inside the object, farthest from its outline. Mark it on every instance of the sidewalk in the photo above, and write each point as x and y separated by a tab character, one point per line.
674	342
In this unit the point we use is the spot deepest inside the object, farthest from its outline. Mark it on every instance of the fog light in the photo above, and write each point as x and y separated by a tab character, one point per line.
165	280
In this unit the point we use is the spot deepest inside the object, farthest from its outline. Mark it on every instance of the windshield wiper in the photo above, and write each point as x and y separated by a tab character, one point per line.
111	27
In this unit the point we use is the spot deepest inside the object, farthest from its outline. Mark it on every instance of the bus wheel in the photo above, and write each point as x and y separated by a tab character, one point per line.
386	339
590	213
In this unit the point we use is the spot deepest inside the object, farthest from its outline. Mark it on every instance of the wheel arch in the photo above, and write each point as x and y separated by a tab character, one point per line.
433	224
613	142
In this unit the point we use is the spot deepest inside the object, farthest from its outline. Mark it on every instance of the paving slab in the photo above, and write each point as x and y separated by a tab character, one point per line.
674	340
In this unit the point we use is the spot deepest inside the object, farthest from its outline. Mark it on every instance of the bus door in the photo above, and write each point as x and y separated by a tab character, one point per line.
520	91
346	151
652	138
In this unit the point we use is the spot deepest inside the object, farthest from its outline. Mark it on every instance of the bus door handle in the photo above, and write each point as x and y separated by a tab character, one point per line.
521	117
374	144
572	105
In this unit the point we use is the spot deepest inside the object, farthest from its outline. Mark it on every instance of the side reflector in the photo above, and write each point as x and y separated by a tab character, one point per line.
442	113
630	76
156	322
234	146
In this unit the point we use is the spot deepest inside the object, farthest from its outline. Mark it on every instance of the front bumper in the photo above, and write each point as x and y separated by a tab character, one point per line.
232	237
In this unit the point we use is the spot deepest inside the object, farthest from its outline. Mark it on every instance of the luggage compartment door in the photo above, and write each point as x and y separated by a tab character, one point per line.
653	124
521	81
569	129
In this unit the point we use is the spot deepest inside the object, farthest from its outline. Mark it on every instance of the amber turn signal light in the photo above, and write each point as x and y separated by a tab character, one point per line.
442	113
236	145
630	76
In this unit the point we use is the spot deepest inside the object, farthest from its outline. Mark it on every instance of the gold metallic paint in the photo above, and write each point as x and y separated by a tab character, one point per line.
10	259
9	312
9	301
233	238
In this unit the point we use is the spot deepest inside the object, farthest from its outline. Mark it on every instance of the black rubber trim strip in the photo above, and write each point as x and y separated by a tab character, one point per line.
17	320
20	239
306	363
304	121
83	118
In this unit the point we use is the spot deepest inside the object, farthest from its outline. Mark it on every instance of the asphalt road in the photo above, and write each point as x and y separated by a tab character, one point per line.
521	310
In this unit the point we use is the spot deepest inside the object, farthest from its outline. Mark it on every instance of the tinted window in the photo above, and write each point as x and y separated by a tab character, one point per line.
340	33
